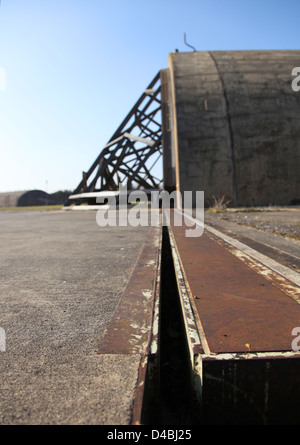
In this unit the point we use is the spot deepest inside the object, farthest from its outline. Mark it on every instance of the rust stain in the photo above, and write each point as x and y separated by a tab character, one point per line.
137	404
290	288
130	329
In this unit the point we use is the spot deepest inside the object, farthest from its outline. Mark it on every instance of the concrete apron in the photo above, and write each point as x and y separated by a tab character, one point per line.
62	277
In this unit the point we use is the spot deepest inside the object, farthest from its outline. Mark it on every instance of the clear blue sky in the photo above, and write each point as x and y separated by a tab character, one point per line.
75	68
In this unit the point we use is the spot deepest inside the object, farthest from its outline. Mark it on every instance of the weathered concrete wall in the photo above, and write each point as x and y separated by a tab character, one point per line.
237	125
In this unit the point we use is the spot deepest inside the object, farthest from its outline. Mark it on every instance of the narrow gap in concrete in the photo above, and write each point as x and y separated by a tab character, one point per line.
174	401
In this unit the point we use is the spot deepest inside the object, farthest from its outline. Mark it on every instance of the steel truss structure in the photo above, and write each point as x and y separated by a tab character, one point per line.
131	153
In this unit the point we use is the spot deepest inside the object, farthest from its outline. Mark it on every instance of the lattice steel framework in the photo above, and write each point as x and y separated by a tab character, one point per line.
133	151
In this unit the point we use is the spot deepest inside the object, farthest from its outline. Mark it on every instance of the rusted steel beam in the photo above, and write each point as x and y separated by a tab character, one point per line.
246	370
254	389
238	308
134	328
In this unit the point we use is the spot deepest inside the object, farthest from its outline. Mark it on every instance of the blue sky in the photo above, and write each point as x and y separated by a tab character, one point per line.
74	69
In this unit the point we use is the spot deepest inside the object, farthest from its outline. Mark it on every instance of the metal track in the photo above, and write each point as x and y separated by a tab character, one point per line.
245	369
134	328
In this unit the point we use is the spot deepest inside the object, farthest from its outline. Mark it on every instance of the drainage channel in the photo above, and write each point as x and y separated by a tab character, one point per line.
169	388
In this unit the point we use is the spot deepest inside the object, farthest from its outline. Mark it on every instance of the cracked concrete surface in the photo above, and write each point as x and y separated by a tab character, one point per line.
61	277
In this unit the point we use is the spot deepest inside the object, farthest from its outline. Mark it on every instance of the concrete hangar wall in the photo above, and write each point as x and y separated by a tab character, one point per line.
231	125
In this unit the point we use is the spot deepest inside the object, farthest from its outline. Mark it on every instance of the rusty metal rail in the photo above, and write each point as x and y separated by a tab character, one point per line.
239	318
135	323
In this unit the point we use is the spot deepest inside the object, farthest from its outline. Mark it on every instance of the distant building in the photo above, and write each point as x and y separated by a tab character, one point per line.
26	198
35	198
